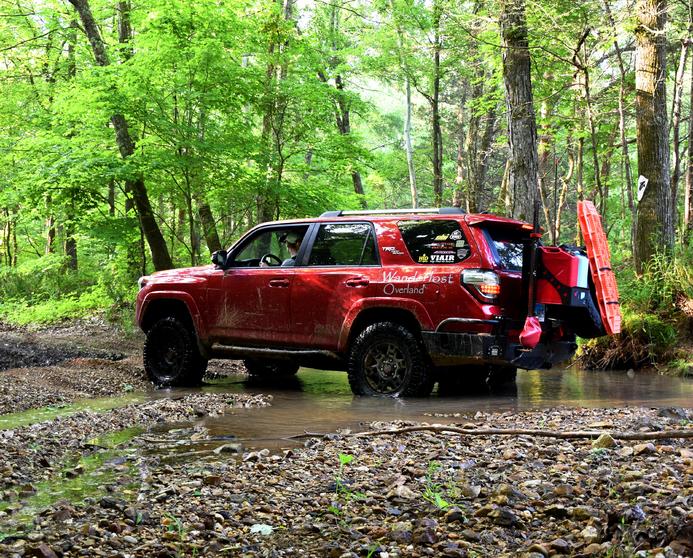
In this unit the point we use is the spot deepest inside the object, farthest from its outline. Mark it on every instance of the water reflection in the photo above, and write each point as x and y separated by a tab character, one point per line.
319	401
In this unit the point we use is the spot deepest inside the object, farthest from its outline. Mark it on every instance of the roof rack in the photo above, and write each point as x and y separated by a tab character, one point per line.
438	210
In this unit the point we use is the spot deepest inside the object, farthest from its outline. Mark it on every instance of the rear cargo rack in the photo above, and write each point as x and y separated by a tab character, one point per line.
425	210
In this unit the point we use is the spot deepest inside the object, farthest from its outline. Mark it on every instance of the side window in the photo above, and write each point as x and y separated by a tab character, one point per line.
276	246
434	242
344	244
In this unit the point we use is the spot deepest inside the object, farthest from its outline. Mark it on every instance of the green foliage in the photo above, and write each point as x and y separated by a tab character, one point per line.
439	492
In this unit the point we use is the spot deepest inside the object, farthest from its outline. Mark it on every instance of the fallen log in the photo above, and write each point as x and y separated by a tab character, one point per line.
579	434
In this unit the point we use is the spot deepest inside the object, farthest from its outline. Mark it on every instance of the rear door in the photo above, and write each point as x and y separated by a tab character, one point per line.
340	268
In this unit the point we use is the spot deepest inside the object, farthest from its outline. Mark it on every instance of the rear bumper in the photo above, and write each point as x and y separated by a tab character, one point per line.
452	348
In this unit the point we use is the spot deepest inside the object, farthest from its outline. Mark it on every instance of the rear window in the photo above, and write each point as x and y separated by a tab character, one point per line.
508	248
434	242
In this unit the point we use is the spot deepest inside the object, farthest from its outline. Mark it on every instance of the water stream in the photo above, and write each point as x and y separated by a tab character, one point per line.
319	401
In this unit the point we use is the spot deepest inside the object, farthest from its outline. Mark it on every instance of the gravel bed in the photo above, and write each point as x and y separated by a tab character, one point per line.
80	378
406	495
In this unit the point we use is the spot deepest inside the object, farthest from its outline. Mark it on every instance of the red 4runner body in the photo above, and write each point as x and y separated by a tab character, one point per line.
399	300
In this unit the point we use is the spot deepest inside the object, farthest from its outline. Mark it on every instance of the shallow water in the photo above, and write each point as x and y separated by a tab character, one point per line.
319	401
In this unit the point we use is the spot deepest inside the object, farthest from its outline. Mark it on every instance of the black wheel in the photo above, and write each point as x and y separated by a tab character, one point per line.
387	359
263	368
171	355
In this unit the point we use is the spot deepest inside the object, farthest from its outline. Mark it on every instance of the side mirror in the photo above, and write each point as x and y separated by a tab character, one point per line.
219	258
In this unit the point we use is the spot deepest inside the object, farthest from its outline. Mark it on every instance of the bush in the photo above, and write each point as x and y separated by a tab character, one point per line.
657	317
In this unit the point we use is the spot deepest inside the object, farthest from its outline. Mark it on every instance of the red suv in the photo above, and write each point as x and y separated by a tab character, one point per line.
398	299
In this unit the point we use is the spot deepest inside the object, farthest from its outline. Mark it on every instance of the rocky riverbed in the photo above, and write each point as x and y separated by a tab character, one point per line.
413	494
149	479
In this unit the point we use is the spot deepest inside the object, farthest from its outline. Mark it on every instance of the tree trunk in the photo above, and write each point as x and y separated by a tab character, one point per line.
676	121
688	202
655	225
408	146
408	114
209	226
435	110
160	255
522	126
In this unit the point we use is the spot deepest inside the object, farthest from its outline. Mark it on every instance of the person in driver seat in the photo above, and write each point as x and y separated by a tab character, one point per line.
293	243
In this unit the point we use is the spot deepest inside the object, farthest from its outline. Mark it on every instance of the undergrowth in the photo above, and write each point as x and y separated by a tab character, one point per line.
657	326
45	291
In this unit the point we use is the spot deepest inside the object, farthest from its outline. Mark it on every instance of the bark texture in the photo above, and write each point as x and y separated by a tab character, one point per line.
522	126
654	229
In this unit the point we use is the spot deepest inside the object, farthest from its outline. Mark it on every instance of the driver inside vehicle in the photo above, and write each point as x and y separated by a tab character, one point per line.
292	240
293	243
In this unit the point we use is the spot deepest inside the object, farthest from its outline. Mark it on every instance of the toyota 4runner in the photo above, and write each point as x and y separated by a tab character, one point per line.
398	299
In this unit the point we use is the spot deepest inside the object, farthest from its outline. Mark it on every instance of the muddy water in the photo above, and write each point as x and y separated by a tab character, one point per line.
319	401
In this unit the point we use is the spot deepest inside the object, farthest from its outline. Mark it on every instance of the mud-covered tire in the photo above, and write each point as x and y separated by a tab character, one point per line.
263	368
388	359
171	354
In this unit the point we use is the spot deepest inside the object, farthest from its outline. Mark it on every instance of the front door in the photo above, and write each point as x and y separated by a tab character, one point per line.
252	299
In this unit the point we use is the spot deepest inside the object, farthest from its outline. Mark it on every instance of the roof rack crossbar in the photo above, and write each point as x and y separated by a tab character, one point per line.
422	210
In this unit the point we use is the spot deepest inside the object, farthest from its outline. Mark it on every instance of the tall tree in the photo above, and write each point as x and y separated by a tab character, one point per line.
522	125
157	245
654	231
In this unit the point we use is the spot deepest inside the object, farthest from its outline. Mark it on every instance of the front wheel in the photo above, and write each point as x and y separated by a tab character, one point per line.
171	355
387	359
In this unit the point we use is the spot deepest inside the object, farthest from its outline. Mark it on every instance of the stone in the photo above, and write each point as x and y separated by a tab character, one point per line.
539	549
455	514
503	517
590	534
559	546
229	448
644	448
604	441
212	480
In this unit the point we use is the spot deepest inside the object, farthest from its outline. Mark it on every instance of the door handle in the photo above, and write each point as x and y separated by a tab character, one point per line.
357	282
279	283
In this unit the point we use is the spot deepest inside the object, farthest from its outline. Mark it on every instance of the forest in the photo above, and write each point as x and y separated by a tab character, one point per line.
140	136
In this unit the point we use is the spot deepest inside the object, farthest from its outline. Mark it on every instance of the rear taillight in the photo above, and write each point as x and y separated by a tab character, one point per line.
482	282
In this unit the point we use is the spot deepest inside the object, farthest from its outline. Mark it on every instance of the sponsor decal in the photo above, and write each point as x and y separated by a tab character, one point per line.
441	245
423	258
460	243
390	289
463	253
456	235
442	258
395	277
441	237
393	250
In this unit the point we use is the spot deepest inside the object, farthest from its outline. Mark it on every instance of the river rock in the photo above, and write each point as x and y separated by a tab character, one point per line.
604	441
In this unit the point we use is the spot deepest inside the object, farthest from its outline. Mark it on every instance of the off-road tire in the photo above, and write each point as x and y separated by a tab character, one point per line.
171	354
388	359
264	368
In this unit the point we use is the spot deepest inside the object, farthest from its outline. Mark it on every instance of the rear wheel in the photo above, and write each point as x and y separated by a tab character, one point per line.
387	359
264	368
171	354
